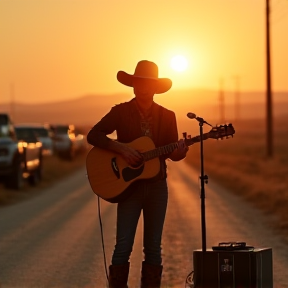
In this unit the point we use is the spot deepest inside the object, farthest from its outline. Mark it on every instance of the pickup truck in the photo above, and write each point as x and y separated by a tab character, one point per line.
20	155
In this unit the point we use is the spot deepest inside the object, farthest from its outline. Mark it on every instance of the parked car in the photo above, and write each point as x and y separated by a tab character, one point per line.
33	153
20	157
68	141
44	135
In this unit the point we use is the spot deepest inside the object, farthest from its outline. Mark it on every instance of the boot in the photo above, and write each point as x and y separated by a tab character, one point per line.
118	275
151	275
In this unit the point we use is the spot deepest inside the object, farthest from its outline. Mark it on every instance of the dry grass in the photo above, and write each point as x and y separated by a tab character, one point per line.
54	168
241	165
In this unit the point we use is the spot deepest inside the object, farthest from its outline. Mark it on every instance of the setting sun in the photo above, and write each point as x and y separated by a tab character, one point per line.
179	63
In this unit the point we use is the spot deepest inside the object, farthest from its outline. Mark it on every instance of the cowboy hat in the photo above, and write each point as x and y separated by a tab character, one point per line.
145	69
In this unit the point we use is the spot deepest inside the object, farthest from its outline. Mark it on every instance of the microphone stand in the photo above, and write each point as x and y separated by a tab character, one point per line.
204	180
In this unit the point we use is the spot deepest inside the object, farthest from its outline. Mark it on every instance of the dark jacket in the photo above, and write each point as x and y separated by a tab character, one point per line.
125	119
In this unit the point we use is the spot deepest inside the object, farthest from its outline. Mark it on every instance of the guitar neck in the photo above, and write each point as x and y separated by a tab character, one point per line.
167	149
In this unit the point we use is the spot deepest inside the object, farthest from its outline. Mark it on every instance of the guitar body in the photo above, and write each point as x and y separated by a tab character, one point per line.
110	175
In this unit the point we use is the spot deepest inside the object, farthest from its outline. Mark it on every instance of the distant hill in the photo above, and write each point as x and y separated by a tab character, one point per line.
83	110
88	109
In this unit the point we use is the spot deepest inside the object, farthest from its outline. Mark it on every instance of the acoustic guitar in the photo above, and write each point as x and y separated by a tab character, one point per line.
110	175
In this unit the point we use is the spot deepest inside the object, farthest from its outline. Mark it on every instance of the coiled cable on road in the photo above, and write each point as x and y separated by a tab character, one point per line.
189	283
101	228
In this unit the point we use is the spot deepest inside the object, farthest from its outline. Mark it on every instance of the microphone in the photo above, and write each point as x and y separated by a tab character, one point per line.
199	119
191	115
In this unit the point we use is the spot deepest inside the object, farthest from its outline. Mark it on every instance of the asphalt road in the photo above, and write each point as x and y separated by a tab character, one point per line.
54	239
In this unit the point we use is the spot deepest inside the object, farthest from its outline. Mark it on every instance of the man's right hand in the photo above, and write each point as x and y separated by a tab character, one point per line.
129	154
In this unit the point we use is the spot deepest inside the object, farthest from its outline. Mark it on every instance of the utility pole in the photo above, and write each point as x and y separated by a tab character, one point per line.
221	101
237	99
12	104
269	123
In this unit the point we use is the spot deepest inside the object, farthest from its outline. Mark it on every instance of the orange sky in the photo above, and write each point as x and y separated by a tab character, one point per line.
60	49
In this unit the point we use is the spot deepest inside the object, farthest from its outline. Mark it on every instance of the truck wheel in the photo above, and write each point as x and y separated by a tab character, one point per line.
16	181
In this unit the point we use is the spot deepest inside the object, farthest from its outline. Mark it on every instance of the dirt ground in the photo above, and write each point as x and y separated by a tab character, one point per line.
54	169
54	239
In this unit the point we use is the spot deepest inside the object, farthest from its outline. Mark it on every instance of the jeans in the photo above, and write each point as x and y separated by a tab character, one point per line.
152	199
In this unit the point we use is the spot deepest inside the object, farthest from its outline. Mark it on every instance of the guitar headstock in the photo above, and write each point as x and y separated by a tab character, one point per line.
221	131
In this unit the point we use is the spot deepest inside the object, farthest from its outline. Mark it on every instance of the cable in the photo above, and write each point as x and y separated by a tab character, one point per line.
189	283
101	228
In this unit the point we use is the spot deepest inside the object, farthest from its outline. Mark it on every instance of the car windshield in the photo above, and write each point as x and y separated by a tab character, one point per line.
6	128
41	132
3	119
61	129
26	134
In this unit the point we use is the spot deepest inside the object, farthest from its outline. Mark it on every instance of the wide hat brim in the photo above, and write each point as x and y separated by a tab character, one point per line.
146	70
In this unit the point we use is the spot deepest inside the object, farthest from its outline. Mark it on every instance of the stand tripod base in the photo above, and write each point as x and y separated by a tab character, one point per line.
233	269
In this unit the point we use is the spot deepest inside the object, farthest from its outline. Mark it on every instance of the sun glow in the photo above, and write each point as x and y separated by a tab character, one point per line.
179	63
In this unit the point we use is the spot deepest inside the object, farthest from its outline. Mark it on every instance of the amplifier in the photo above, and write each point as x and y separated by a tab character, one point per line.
233	269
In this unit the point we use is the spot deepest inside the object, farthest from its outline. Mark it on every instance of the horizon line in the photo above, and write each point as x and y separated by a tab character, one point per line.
99	94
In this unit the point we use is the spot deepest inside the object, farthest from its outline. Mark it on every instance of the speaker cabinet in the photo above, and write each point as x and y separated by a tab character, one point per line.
233	269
